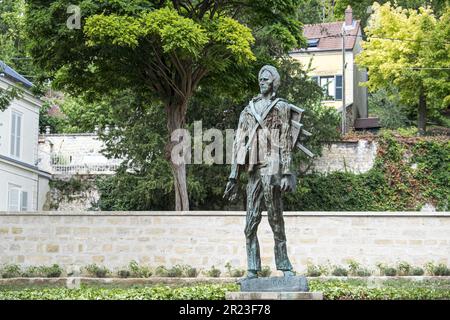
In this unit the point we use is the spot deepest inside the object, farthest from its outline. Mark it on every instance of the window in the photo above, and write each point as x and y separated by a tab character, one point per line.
17	198
16	132
338	87
24	201
313	43
331	86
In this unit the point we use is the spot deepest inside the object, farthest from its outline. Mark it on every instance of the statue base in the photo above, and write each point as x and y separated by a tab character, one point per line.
274	288
274	296
275	284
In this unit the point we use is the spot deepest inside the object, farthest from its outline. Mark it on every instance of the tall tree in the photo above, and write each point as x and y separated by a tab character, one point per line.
165	48
408	49
362	9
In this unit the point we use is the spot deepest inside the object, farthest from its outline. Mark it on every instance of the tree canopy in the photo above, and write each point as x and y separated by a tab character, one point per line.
162	51
409	50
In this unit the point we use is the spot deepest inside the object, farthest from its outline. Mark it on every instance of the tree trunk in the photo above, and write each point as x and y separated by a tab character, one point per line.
176	115
422	114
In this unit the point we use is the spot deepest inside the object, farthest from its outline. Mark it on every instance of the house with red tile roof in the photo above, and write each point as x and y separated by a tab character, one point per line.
325	54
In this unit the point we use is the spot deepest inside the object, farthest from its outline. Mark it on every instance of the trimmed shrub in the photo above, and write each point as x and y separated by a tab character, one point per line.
10	271
313	271
213	272
137	271
339	272
124	273
97	271
234	273
417	271
265	272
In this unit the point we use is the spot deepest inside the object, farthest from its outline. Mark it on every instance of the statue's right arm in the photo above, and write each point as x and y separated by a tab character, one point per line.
235	166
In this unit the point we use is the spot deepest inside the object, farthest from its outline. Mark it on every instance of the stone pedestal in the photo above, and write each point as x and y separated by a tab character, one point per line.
274	296
274	288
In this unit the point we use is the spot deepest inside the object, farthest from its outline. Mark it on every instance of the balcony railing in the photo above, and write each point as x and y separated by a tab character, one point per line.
73	164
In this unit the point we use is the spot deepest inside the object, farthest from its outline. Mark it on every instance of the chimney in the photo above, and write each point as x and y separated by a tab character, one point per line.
348	16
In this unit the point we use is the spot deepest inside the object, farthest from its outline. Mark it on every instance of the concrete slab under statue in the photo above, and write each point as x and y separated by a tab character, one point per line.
274	288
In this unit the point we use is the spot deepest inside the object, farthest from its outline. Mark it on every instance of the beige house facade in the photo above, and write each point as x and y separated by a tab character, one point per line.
324	55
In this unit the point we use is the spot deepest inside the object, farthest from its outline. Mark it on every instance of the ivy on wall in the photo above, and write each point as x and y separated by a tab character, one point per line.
73	189
408	173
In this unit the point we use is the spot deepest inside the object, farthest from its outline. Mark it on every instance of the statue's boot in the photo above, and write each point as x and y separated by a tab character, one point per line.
251	274
289	273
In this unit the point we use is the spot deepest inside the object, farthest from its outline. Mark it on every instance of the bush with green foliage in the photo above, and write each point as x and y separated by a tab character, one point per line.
437	270
213	272
191	272
265	272
316	270
331	289
339	272
123	273
408	173
387	290
200	292
387	107
53	271
417	271
138	271
10	271
177	271
94	270
233	272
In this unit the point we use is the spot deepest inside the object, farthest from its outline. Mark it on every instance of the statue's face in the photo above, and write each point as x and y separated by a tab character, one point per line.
266	82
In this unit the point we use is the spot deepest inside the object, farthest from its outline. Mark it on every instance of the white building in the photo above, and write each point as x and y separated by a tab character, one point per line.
66	155
23	187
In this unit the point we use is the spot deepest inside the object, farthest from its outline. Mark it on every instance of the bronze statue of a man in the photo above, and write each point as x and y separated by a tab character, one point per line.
268	130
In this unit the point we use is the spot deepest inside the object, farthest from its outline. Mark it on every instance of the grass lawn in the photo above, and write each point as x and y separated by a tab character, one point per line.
332	290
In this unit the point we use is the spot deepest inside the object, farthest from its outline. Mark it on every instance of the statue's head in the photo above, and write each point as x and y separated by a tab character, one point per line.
269	79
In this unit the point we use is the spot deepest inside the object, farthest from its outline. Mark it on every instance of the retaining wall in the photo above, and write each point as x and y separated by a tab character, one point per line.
203	239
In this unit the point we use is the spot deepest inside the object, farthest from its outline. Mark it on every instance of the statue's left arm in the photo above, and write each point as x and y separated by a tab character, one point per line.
288	180
285	140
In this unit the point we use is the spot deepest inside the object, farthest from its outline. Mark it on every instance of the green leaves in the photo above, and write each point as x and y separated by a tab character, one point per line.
406	49
119	30
391	185
199	292
7	95
234	36
172	32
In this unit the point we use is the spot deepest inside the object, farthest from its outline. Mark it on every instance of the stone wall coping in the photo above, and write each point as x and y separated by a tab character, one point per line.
230	213
153	281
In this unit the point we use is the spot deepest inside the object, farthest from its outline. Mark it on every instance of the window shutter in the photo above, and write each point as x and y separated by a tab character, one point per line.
13	199
24	201
13	134
18	134
338	88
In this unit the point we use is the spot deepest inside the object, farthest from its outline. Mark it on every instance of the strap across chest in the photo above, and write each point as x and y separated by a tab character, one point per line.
260	118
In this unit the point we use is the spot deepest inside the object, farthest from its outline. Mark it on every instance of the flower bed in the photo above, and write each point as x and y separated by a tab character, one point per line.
373	288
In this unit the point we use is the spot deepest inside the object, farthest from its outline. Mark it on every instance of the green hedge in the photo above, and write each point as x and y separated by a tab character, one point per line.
389	290
408	173
203	292
332	290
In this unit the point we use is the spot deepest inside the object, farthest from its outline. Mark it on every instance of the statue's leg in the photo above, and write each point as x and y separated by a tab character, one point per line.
254	199
272	197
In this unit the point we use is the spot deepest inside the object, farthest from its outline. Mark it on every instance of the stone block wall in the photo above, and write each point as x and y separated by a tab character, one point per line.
357	157
204	239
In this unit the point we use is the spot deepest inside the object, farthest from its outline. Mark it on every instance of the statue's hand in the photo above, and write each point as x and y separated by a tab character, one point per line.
231	190
287	183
